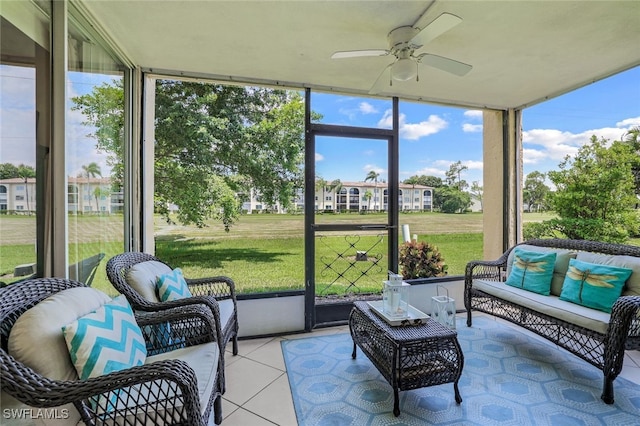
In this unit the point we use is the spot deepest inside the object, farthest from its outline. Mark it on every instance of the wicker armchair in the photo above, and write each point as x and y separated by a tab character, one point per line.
206	291
166	390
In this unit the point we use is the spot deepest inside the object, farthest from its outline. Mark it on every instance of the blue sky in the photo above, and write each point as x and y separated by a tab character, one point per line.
432	137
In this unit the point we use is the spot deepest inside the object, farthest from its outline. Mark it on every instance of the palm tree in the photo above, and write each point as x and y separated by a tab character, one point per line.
26	172
321	183
336	186
373	175
92	170
367	196
100	192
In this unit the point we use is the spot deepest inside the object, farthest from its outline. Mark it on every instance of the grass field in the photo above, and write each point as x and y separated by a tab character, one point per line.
262	252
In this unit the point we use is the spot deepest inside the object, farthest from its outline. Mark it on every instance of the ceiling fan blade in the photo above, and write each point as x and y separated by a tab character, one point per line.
383	80
359	53
444	64
438	26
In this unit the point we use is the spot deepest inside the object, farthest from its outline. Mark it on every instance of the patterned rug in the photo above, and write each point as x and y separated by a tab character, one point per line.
508	379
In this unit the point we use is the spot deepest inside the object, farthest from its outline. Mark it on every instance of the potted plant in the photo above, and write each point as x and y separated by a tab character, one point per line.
421	260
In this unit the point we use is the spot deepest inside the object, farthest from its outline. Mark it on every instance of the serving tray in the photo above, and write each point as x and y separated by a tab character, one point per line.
416	316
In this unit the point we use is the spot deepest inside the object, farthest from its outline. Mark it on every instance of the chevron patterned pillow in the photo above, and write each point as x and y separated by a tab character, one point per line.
172	286
105	340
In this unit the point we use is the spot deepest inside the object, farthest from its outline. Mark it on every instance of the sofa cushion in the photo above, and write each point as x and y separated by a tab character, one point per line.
632	286
105	340
142	277
581	316
594	285
559	269
172	286
41	327
532	271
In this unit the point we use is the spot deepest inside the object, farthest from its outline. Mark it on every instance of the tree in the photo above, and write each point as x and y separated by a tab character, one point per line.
89	171
535	190
453	178
98	193
477	192
594	198
453	200
103	109
25	172
212	142
431	181
632	137
336	186
10	171
372	175
367	196
321	183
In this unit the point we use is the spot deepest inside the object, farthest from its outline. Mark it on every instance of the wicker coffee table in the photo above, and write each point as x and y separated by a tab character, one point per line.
409	357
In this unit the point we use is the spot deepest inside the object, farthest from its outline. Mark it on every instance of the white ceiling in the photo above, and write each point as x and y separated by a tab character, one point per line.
522	52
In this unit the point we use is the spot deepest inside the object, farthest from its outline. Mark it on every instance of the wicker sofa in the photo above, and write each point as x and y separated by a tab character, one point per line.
597	337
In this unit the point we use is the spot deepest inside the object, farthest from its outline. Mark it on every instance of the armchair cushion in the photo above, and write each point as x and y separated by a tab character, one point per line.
40	327
172	286
105	340
142	277
203	359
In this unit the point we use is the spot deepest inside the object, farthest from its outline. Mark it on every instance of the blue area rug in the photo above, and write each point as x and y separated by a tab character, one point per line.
508	379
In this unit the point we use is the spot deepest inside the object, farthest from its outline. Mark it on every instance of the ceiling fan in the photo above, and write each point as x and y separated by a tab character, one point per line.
403	44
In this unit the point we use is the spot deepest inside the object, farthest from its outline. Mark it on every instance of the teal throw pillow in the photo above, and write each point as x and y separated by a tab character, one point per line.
105	340
532	271
592	285
172	286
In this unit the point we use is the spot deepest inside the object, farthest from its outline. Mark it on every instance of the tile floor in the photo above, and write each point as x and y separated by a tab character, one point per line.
258	392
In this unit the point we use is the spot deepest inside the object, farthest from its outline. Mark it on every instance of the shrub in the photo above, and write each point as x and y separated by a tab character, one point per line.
421	260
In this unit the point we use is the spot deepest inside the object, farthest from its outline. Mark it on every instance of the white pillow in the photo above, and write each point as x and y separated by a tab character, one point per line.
142	278
36	338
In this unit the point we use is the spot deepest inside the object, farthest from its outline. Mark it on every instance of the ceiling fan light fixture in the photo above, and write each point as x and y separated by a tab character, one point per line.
404	69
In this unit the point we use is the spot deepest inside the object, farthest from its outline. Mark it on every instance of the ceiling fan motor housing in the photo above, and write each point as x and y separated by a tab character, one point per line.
400	41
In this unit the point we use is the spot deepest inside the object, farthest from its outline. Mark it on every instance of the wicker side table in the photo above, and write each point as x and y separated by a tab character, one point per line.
409	357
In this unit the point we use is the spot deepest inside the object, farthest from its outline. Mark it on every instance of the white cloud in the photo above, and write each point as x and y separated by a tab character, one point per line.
551	144
473	165
443	163
414	131
372	167
533	156
473	113
471	128
629	122
319	157
367	108
430	171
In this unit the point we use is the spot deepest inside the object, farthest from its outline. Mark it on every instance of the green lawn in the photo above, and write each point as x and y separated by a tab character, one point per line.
262	252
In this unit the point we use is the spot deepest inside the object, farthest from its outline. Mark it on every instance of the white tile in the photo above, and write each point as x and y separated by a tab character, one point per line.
274	403
245	347
242	417
228	408
245	378
270	353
